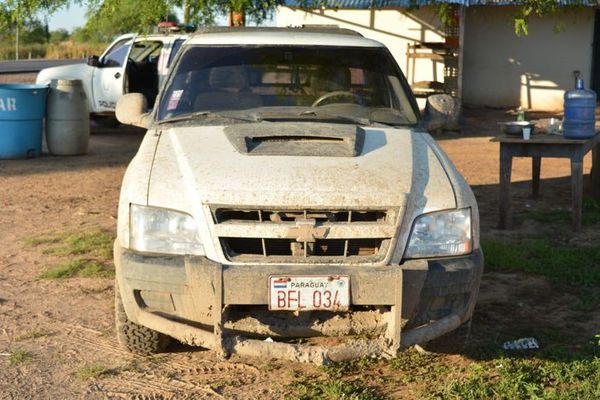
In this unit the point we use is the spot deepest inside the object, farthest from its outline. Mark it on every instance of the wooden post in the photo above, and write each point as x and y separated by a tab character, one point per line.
536	163
505	173
461	44
577	189
595	174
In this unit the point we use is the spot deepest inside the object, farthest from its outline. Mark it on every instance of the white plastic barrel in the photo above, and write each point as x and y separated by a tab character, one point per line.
67	118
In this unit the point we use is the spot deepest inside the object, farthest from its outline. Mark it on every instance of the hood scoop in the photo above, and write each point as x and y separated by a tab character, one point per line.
297	139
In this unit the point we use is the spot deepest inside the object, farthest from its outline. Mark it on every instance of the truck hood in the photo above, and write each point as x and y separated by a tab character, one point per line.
81	71
72	71
198	166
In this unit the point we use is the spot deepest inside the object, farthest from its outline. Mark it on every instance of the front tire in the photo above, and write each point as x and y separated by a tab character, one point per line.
136	338
105	122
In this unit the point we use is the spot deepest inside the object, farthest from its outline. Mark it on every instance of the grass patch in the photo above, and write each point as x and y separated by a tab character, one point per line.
333	390
19	356
590	214
62	50
418	368
93	251
521	378
342	369
95	371
37	241
588	299
575	265
80	268
339	382
96	244
555	372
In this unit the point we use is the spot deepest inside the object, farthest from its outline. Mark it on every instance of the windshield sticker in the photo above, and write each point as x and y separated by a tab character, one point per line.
174	100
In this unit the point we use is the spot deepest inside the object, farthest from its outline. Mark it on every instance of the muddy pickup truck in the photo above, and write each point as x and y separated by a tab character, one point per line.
285	189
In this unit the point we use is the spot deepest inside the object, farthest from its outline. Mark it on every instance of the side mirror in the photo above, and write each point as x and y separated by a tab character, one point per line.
442	112
132	109
93	61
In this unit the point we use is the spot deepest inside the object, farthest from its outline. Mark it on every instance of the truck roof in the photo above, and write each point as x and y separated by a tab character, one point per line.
305	35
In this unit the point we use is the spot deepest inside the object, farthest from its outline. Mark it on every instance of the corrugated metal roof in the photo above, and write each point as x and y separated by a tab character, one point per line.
364	4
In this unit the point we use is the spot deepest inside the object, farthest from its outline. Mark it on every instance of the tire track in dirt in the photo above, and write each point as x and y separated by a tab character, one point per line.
173	379
101	344
167	376
176	379
149	386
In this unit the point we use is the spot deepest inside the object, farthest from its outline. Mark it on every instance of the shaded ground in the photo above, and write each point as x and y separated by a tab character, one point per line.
57	337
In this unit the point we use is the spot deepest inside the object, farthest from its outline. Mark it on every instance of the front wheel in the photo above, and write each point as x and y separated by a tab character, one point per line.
105	122
136	338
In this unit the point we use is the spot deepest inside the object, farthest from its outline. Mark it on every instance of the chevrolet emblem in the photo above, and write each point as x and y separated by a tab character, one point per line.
306	231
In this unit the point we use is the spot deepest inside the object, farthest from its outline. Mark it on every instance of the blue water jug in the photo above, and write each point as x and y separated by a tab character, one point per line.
580	112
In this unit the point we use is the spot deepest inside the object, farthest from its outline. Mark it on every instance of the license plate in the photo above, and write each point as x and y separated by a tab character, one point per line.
309	292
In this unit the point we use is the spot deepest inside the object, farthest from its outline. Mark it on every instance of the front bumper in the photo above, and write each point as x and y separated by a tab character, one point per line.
200	302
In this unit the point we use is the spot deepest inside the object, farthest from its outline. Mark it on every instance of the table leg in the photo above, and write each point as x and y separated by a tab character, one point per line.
536	164
505	172
595	175
577	190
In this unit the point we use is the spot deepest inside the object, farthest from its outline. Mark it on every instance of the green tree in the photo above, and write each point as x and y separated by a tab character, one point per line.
530	8
204	12
23	11
59	35
115	16
112	17
34	31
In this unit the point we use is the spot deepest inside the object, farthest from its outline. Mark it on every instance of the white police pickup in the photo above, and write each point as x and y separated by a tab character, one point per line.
130	64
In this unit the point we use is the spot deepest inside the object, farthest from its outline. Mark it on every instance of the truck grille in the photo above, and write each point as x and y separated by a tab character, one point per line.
301	236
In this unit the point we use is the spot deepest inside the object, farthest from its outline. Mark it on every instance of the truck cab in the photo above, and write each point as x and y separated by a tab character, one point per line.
131	63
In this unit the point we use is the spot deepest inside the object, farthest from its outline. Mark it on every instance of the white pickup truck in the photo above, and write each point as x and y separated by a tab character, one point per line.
286	189
130	64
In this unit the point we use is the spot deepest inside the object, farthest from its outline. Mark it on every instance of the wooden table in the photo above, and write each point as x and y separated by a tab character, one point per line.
539	146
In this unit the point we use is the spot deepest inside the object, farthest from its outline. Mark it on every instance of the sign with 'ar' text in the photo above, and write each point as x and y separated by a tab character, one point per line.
8	104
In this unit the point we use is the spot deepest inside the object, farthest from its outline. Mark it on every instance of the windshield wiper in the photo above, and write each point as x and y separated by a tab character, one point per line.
365	121
210	114
348	118
310	115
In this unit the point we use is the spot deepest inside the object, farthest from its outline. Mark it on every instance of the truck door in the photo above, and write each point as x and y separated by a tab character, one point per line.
109	79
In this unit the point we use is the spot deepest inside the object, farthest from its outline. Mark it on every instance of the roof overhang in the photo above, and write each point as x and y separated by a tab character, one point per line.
378	4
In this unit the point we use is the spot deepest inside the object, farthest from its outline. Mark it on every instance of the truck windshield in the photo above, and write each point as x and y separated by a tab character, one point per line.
353	82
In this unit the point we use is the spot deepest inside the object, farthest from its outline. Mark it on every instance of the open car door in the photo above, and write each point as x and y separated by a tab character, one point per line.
109	81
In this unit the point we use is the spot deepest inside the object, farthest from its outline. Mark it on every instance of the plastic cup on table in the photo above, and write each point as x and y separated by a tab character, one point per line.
526	133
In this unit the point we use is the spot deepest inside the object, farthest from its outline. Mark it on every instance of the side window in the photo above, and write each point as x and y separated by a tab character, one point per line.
174	50
115	57
144	51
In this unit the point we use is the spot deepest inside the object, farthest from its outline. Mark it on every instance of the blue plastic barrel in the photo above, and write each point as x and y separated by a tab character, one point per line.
22	109
580	112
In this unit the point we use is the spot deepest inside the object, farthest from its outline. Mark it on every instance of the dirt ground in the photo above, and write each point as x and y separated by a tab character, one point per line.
67	325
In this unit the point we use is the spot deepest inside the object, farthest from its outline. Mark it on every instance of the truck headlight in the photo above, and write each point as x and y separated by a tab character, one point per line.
444	233
159	230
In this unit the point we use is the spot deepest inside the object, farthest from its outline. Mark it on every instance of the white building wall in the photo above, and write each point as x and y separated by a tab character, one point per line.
393	27
503	70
